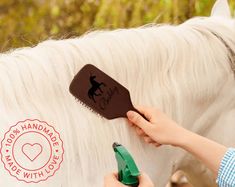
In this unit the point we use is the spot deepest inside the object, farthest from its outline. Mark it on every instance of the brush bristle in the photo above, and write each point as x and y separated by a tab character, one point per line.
89	108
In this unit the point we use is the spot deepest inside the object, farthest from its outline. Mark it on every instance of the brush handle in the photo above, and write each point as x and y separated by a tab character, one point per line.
135	110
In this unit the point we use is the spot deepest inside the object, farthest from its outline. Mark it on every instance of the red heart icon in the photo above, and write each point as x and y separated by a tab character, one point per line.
32	151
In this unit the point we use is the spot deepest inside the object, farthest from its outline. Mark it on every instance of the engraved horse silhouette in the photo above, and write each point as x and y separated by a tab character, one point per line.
95	86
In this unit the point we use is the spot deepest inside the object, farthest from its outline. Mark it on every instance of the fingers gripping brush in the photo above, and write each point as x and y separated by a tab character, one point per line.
127	170
101	93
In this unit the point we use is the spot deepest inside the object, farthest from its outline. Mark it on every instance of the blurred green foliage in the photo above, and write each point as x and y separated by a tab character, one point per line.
26	22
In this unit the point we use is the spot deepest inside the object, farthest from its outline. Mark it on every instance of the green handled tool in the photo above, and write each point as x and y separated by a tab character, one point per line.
127	170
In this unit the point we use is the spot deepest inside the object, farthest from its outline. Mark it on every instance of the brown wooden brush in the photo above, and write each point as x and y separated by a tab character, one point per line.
101	93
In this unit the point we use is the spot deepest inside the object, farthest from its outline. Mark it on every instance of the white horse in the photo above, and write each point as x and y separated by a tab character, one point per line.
185	70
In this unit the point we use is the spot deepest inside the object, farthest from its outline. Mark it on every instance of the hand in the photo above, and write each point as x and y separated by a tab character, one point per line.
111	180
145	181
160	129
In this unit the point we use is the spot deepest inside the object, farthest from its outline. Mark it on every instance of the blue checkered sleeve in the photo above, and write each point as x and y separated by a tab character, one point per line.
226	174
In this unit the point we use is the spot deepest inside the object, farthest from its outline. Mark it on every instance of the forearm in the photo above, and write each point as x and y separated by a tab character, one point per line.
208	151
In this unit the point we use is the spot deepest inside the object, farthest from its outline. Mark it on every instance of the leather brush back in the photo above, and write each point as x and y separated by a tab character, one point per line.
101	93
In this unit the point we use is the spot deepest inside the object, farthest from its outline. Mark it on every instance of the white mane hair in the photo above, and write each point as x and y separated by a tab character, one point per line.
184	70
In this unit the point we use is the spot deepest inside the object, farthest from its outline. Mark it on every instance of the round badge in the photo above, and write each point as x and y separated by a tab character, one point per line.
32	151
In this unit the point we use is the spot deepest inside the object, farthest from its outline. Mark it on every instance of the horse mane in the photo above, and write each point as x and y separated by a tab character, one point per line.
170	55
180	69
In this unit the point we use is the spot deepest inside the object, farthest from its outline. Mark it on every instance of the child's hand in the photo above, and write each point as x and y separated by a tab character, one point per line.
111	180
159	129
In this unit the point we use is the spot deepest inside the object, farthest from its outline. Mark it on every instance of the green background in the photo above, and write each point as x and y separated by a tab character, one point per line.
27	22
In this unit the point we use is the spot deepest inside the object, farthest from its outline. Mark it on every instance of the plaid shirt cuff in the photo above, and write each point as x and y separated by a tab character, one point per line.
226	174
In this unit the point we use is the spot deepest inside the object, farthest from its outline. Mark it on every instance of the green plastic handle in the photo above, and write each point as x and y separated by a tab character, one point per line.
127	170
